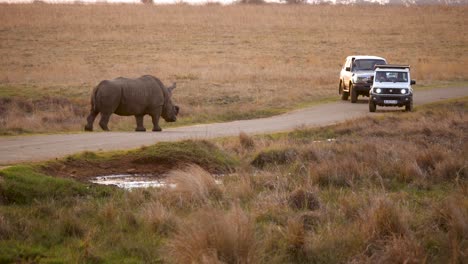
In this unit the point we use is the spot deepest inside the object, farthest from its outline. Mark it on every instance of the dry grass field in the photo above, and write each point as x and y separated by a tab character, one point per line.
230	62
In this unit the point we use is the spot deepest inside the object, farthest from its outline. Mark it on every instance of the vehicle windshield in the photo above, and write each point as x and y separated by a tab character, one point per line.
391	76
366	65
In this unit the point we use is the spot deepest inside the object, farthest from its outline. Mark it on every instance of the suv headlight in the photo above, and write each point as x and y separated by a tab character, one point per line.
378	90
403	91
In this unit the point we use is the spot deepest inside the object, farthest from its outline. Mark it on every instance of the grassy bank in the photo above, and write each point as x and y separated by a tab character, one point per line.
230	62
388	189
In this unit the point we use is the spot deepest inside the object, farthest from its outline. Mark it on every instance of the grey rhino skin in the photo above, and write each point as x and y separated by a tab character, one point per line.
142	96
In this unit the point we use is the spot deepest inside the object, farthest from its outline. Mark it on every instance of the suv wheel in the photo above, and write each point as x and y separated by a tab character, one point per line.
409	106
344	95
353	93
372	106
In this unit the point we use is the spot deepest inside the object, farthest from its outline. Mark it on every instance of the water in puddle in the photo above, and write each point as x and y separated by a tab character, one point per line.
132	181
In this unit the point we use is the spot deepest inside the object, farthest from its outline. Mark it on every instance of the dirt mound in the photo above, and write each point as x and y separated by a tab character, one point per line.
154	160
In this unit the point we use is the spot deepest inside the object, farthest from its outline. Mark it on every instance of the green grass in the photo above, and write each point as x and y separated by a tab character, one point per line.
202	153
11	252
24	185
440	84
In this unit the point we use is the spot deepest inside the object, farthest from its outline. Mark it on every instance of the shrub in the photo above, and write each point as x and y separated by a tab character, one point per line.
242	188
334	173
70	225
214	236
352	204
384	221
5	228
295	234
400	250
428	159
194	185
452	217
252	2
452	168
22	115
333	243
311	220
158	218
246	141
295	2
275	157
301	199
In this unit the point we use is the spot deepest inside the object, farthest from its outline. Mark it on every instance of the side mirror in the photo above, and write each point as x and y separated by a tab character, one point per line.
348	69
413	82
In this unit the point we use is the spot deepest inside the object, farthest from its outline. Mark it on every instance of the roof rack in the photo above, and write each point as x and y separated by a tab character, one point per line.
392	66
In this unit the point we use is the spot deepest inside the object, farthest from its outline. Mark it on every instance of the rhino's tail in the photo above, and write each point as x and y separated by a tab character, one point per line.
93	99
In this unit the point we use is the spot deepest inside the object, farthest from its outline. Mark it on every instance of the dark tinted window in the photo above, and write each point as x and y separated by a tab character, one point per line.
366	65
390	76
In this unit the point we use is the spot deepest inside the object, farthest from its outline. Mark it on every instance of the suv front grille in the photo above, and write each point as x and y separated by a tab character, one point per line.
392	98
391	91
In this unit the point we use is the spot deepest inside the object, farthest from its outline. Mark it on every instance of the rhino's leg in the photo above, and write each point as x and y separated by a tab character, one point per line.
104	121
155	118
91	117
139	121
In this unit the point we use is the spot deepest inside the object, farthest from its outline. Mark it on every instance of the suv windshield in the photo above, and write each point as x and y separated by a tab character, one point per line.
366	65
391	76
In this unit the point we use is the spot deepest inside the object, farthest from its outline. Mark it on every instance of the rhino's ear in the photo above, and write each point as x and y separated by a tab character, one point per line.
172	87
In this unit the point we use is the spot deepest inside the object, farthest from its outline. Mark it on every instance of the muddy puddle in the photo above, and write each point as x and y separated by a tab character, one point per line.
132	181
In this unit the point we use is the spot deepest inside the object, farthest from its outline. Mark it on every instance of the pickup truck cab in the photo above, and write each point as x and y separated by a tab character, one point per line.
355	75
391	87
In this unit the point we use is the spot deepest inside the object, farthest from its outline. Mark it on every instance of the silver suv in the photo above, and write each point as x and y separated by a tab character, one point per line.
356	76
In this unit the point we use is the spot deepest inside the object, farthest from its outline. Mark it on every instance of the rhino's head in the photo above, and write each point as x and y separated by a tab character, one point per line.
170	111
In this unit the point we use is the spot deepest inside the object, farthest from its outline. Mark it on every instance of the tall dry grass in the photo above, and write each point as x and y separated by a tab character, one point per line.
193	186
229	61
19	115
158	217
451	215
214	236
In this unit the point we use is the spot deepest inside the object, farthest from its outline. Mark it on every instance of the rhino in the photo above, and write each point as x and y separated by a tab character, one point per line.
142	96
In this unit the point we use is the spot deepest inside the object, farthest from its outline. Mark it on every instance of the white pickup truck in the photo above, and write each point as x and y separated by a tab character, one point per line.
391	87
355	75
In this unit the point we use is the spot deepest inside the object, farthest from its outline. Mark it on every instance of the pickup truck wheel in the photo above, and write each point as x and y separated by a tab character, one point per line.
353	93
372	106
344	95
409	106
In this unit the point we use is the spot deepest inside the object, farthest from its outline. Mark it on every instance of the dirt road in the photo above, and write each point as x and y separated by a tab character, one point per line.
44	147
